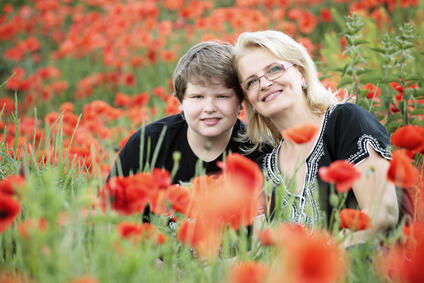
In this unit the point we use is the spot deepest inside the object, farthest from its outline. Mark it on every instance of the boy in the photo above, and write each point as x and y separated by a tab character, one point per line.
207	128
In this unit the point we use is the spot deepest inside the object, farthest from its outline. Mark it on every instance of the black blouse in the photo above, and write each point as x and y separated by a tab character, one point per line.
345	132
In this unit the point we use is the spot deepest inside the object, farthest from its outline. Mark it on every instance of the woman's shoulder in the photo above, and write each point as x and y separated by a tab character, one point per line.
347	109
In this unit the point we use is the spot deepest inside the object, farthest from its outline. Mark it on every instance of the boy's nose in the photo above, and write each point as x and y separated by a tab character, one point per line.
210	105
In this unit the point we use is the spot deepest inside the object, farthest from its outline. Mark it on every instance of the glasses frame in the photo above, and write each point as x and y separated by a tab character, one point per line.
285	66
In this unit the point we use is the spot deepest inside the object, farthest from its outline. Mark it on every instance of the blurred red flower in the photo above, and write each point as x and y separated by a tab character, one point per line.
341	173
9	184
248	272
204	237
372	91
9	210
180	198
401	171
84	279
310	257
354	220
125	195
326	15
28	226
402	262
410	137
301	133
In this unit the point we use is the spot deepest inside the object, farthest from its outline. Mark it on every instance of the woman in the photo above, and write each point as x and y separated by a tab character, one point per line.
280	82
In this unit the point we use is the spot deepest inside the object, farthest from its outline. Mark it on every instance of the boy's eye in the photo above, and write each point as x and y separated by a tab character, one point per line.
197	96
223	96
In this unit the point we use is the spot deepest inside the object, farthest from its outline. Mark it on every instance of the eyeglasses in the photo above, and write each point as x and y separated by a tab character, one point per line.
273	72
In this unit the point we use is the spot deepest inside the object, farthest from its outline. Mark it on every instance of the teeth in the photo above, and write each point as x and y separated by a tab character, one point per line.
270	96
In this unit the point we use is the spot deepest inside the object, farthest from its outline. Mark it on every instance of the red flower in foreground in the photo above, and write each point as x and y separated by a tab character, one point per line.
180	198
410	137
401	171
403	262
136	232
310	257
301	133
341	173
243	171
354	220
9	210
248	272
204	237
9	184
125	195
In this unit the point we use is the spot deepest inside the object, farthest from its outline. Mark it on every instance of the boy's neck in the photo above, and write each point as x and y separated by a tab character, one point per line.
208	148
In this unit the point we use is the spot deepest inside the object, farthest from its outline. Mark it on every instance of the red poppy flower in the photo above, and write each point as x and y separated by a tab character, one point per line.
9	184
129	229
29	226
301	133
341	173
310	257
248	272
402	262
125	195
180	198
326	15
84	279
410	137
401	171
413	232
372	91
354	220
204	237
267	237
9	210
243	171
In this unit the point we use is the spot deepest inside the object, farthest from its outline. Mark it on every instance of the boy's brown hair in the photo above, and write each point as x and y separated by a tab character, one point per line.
206	63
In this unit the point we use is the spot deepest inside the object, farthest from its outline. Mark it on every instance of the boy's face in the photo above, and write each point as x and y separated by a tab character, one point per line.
210	110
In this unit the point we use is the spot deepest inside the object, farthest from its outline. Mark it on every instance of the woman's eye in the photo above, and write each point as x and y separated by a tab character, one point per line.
251	82
275	69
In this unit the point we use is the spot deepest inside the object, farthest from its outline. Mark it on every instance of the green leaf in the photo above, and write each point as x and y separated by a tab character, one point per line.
360	41
344	81
379	50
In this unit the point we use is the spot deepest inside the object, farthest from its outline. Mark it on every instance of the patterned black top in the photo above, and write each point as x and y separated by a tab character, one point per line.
345	132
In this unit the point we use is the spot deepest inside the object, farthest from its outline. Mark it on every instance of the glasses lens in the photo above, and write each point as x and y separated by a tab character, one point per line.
274	72
251	84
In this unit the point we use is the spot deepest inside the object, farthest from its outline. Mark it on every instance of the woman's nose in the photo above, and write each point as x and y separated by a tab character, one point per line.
264	83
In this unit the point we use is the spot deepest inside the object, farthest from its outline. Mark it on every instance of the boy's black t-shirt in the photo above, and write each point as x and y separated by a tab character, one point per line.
174	139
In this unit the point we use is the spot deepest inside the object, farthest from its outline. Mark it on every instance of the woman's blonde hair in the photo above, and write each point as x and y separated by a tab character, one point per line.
260	129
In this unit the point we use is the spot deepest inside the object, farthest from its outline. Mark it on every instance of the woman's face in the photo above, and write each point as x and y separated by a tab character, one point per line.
272	95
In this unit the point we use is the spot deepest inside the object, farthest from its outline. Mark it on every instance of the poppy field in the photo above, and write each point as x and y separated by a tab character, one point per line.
78	77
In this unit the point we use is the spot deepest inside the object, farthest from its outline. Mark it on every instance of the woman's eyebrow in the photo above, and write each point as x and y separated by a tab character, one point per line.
264	68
